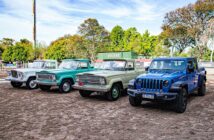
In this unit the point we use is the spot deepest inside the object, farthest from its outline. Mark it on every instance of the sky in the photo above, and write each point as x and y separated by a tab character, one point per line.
55	18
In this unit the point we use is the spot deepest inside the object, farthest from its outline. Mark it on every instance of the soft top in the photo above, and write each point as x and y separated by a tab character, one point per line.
175	58
118	60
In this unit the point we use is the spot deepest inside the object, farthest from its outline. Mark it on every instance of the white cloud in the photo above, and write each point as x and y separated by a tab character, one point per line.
17	20
56	18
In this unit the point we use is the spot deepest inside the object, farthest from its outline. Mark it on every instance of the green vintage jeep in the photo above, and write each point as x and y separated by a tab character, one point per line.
65	76
111	79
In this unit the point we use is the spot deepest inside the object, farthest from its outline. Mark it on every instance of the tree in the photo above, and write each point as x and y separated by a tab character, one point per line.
19	53
57	49
116	37
94	34
39	50
76	47
132	39
7	54
184	26
5	43
28	47
66	47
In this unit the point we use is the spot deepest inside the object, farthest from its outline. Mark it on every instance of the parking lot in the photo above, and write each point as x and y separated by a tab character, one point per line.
35	114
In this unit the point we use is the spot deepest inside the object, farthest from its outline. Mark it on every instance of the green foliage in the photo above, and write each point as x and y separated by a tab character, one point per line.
95	35
184	27
21	51
39	50
7	54
28	48
66	47
116	37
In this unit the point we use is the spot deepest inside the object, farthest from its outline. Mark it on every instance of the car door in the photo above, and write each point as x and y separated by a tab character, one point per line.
196	74
131	72
191	74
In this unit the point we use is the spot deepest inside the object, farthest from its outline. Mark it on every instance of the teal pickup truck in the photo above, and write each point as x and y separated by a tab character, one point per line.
65	76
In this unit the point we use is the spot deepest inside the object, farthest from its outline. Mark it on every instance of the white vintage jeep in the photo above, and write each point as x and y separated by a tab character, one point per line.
28	75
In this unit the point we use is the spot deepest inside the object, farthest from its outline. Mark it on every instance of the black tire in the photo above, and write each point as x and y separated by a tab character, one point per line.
85	93
202	89
115	92
65	86
16	84
31	83
44	87
181	101
135	101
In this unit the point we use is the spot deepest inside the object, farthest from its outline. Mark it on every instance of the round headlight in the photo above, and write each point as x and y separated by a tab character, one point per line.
77	79
53	77
139	81
102	81
165	83
20	75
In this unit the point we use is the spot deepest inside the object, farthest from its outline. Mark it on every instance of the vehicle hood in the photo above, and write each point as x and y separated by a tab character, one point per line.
162	75
104	73
57	71
26	70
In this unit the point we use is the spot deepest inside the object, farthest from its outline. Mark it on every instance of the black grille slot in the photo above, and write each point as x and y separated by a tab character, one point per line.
152	84
14	74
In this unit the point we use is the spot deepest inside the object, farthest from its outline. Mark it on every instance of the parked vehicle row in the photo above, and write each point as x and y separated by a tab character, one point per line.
166	79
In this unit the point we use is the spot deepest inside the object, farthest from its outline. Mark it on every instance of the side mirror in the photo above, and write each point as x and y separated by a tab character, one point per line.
147	68
190	68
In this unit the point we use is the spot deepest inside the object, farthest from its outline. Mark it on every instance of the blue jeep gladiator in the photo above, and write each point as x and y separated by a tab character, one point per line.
168	79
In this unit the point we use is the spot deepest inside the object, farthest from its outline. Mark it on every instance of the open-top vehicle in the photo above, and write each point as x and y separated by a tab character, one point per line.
28	75
111	79
168	79
63	77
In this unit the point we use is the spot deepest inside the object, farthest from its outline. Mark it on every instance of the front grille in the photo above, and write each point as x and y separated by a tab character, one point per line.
89	79
151	84
44	76
14	73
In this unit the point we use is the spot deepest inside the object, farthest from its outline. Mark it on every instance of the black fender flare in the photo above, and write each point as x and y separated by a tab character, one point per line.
177	86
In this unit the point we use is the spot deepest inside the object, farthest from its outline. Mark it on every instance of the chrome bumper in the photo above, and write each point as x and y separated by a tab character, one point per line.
46	83
92	88
15	80
157	95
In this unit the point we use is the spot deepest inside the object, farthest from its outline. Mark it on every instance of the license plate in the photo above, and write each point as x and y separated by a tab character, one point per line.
148	96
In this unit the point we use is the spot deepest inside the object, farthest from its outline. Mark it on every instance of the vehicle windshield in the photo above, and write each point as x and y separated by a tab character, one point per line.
50	65
69	65
113	65
37	64
168	65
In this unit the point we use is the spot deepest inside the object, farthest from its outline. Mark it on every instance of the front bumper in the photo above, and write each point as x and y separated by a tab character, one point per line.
15	80
46	83
167	96
96	88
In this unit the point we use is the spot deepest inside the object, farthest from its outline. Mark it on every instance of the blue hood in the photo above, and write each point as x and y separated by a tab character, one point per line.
162	74
169	75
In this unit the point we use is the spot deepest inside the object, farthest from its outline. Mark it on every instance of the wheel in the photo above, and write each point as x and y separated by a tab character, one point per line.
44	87
115	92
31	83
16	84
181	101
202	89
135	101
85	93
65	86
